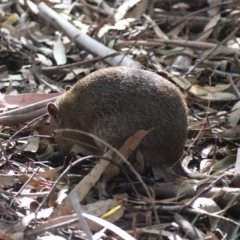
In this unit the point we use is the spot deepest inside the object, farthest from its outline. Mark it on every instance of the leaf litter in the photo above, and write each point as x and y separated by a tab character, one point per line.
47	47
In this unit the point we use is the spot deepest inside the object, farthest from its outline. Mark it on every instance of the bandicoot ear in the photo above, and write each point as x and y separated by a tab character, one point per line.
53	111
67	88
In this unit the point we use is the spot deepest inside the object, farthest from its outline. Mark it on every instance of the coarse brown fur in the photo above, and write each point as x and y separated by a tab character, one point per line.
114	103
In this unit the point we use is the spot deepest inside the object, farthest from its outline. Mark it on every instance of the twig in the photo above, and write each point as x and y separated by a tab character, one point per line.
25	184
65	68
64	172
203	10
26	126
212	51
37	194
78	210
190	202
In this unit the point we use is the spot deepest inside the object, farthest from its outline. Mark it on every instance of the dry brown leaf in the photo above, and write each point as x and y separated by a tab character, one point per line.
122	10
109	10
222	50
139	164
209	27
219	97
138	11
62	194
59	53
34	183
9	180
215	10
33	206
180	81
132	143
122	196
148	217
32	143
4	236
198	90
175	31
126	150
86	11
156	28
83	187
50	174
52	199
